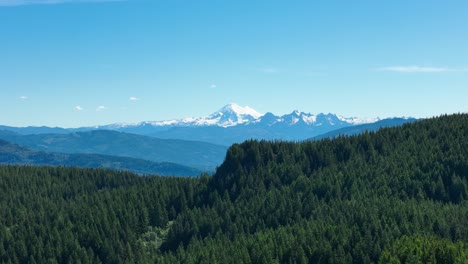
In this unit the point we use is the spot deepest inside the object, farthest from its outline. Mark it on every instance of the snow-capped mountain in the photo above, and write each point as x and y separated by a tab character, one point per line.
234	124
229	115
234	115
307	119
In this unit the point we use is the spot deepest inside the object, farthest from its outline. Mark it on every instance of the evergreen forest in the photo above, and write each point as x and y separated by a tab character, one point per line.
398	195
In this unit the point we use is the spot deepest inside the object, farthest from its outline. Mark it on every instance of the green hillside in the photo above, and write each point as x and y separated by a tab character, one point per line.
399	195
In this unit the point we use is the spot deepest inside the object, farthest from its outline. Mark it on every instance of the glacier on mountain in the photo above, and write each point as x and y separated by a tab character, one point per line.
233	115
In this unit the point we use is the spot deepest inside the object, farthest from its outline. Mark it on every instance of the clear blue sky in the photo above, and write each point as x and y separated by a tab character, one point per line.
73	63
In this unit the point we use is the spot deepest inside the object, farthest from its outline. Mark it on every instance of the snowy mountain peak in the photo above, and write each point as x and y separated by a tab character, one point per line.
358	121
233	114
299	117
240	110
296	113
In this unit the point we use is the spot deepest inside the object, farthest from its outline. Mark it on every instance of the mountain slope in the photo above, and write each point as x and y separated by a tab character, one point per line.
358	129
399	195
14	154
235	124
227	116
200	155
35	130
228	125
295	127
346	200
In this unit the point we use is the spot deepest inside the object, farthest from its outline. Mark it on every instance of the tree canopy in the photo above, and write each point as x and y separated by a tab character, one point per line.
398	195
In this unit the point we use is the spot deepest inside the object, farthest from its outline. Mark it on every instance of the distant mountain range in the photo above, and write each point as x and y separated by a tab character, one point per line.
234	124
234	115
197	142
15	154
230	124
358	129
199	155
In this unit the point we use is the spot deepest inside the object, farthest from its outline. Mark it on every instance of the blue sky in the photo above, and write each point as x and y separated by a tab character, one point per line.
75	63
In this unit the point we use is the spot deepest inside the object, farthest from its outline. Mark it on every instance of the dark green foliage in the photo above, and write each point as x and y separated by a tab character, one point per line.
397	195
67	214
424	249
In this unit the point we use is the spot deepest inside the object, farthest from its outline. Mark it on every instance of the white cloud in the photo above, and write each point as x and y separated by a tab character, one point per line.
47	2
134	99
420	69
23	98
213	86
78	108
101	108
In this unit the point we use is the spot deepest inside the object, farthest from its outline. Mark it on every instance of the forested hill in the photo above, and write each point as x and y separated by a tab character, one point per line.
396	195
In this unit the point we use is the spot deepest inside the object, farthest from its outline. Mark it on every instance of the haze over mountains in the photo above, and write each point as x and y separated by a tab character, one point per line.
15	154
230	124
358	129
200	155
191	144
235	124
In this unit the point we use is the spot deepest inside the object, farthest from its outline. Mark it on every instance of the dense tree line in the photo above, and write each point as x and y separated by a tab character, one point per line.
399	195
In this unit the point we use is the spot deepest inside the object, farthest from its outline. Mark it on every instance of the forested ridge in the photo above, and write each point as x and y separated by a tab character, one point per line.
396	195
